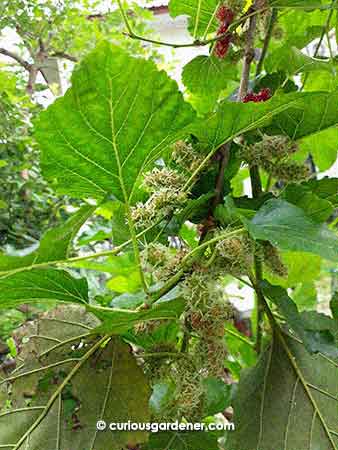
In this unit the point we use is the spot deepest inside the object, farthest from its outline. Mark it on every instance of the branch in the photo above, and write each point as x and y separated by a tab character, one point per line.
64	56
186	264
248	56
33	73
25	64
225	155
196	43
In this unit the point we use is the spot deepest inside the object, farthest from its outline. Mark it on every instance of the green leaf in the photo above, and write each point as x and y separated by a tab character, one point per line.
325	188
322	333
217	396
126	276
305	296
63	414
294	61
286	226
300	27
208	74
327	81
302	268
161	396
323	147
320	339
54	245
304	4
294	114
119	319
118	117
203	22
44	285
279	408
311	114
164	334
314	207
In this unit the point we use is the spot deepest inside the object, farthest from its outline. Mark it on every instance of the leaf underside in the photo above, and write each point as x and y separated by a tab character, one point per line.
273	410
108	386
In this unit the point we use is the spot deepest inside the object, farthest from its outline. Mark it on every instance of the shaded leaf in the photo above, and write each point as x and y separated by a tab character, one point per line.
315	112
217	396
161	396
118	117
326	188
120	319
316	331
334	306
68	412
287	227
273	408
314	207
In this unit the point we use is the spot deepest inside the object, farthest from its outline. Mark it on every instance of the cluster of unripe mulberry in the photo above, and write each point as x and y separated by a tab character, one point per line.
273	154
165	186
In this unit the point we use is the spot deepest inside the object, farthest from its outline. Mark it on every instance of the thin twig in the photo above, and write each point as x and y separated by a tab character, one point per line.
267	39
324	31
64	56
196	43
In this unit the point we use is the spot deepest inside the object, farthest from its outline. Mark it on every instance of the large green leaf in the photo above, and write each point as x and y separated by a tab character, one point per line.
316	208
201	14
70	389
315	112
54	245
55	286
325	188
118	117
323	147
294	61
300	27
278	407
44	285
296	115
287	227
208	74
301	267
